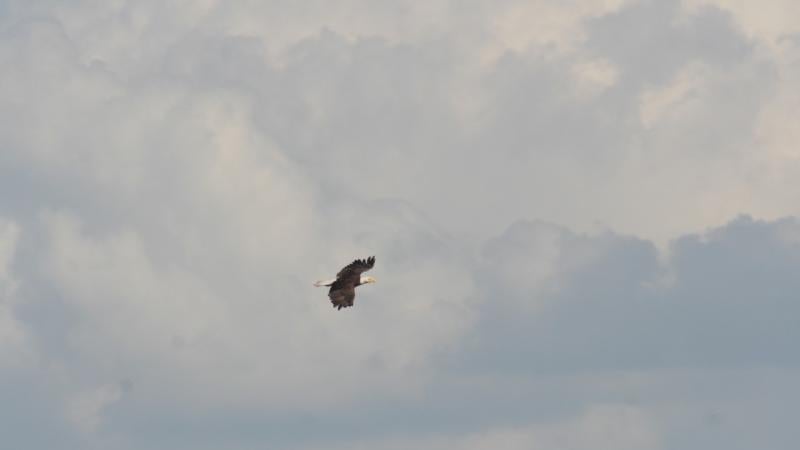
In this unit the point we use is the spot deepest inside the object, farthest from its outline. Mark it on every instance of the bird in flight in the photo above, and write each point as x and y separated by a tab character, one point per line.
343	287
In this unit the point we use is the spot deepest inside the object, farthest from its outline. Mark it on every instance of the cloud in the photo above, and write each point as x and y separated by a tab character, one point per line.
14	346
559	301
600	427
174	176
401	100
173	237
85	409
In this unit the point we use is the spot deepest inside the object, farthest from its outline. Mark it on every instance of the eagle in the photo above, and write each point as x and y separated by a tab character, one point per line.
343	287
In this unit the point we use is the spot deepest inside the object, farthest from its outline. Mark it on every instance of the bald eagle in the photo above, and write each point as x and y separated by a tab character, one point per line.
343	287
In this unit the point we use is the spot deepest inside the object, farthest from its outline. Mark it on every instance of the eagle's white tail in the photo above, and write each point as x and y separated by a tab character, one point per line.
324	282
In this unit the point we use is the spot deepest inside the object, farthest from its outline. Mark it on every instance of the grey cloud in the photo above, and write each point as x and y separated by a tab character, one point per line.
725	298
649	40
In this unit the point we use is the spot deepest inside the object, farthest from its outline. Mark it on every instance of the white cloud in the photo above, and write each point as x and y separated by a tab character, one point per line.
401	99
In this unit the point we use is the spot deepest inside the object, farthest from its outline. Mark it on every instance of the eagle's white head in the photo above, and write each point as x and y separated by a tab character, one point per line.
366	280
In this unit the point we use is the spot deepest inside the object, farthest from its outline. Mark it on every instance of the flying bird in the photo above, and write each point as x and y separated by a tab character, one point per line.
343	287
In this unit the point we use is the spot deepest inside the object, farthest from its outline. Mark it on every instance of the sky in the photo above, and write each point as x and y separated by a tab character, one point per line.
584	214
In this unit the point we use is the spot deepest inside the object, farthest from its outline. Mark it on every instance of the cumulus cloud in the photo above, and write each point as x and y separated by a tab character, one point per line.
534	179
559	301
658	95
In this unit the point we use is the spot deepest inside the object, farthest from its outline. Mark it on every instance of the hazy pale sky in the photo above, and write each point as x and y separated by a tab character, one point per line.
583	213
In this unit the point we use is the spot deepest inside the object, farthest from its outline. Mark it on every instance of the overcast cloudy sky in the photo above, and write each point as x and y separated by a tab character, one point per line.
583	212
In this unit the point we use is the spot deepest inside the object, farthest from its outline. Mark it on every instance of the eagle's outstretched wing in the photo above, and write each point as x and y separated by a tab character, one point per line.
355	269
